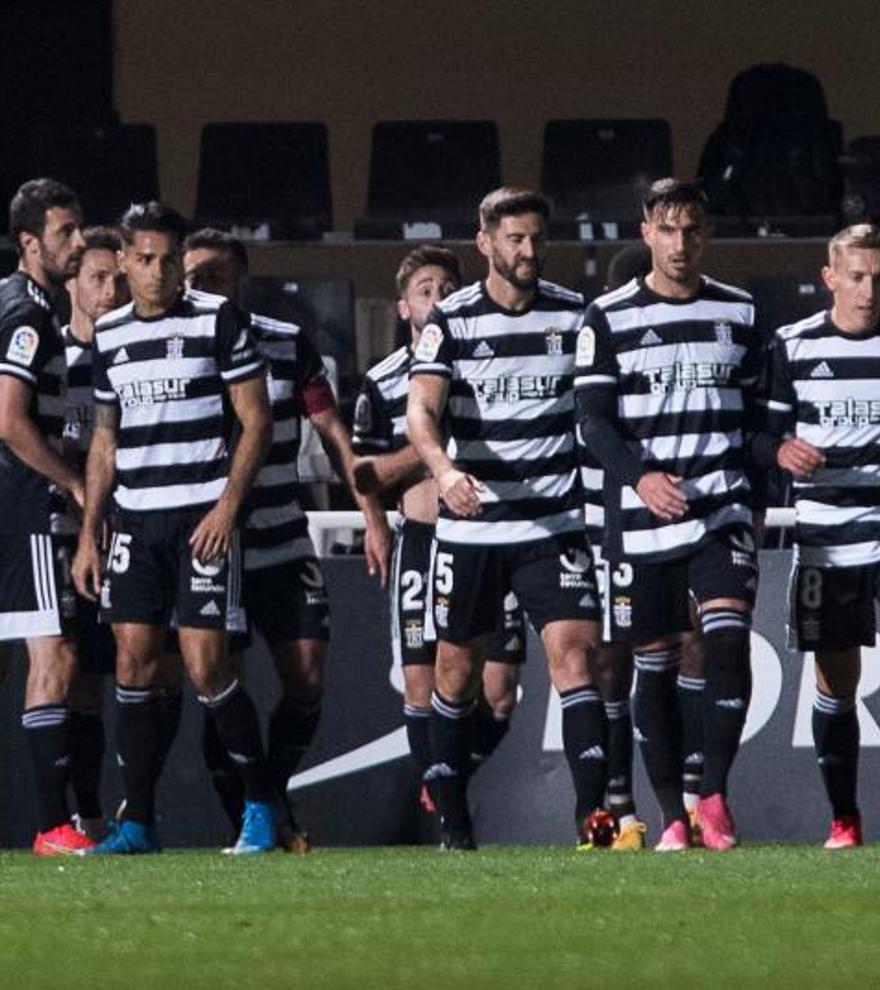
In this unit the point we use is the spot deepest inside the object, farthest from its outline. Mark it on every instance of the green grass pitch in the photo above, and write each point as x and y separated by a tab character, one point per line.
530	917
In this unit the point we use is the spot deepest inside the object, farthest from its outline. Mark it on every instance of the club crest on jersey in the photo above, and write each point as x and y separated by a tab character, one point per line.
553	341
429	343
585	351
23	346
724	333
174	348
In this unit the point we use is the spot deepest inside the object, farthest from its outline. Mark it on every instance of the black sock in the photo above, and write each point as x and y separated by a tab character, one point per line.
836	734
418	734
584	739
225	778
169	705
488	733
690	703
87	744
137	735
451	746
620	757
291	728
47	739
236	720
726	695
658	727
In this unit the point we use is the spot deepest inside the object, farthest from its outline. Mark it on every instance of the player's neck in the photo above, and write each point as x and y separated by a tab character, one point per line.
82	328
506	295
36	273
846	327
660	285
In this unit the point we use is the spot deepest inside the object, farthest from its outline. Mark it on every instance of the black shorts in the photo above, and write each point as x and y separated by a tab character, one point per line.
95	645
832	608
553	579
413	636
151	573
30	582
615	590
723	565
285	603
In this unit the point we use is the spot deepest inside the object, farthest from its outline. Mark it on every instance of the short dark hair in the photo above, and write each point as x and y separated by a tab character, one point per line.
675	194
511	201
152	216
426	254
632	261
99	239
218	240
32	201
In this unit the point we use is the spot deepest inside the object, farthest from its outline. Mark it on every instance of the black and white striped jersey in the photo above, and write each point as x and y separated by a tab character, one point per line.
380	410
276	528
509	411
167	376
79	402
32	351
823	386
684	373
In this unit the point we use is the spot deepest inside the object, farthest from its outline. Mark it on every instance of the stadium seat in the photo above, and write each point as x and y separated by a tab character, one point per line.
109	165
427	178
597	171
266	181
771	167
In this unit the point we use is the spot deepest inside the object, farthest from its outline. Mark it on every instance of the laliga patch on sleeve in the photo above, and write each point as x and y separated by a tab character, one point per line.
363	414
429	343
23	346
586	347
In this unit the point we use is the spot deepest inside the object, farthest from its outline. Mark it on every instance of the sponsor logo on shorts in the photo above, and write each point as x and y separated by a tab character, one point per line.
208	568
575	567
206	586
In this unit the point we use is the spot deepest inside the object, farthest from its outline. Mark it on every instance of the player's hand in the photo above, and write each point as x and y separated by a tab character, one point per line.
662	495
210	539
799	457
377	549
86	568
460	492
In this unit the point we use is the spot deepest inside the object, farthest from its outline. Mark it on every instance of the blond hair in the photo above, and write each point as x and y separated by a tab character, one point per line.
858	236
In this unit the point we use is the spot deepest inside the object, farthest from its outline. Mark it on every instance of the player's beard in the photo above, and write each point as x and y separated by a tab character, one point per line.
54	272
509	273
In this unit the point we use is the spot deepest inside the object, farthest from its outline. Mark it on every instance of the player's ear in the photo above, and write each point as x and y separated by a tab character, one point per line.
829	277
28	243
403	310
484	243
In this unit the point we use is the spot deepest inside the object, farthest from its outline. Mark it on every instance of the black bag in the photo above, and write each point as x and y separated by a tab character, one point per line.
776	153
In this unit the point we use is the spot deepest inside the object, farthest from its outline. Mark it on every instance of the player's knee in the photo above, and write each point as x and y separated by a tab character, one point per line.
418	683
455	672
